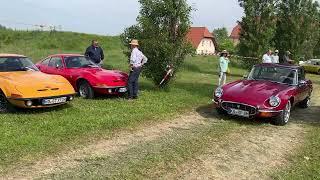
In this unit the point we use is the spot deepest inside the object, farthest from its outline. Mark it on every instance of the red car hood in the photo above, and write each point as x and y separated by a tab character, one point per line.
106	74
251	92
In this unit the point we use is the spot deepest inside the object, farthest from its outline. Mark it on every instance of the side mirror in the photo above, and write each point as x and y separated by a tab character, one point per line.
302	83
58	66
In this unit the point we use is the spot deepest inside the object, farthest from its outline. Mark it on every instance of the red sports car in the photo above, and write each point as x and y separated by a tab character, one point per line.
270	91
86	77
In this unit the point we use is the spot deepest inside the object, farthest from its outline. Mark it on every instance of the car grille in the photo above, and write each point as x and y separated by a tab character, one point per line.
227	105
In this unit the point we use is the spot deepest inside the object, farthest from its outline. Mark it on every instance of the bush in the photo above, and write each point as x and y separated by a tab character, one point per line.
162	28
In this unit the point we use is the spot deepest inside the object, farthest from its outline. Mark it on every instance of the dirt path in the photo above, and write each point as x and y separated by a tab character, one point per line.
245	154
254	154
120	142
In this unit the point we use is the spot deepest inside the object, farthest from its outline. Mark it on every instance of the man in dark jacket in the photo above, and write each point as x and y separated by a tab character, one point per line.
95	53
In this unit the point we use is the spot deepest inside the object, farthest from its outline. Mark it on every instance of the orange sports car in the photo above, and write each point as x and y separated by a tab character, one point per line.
23	85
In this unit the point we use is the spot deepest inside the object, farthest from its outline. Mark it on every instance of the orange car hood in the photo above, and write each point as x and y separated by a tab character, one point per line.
37	84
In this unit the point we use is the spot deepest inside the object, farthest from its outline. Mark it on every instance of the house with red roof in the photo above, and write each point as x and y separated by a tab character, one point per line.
202	40
235	34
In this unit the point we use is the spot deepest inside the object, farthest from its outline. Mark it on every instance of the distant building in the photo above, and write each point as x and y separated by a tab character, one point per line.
235	34
202	40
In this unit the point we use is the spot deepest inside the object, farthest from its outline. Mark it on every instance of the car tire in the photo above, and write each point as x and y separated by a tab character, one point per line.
85	90
283	118
5	106
305	103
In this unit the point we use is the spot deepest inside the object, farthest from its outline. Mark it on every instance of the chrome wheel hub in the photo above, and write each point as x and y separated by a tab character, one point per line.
83	91
309	102
287	112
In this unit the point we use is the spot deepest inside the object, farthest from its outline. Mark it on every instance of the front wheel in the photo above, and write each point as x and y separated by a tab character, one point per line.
85	90
283	118
5	105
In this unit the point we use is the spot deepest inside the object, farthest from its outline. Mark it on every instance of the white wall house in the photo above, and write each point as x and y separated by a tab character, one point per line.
206	47
202	40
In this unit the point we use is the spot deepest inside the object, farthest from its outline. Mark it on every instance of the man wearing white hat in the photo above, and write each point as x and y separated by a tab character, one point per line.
137	60
275	57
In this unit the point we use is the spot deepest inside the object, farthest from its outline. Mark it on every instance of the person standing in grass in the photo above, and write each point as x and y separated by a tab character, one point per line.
95	53
137	60
275	57
223	67
267	57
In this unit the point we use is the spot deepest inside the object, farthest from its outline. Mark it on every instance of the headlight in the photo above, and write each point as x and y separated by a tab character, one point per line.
274	101
219	92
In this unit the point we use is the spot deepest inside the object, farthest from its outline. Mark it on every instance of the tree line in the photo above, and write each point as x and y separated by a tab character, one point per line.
286	25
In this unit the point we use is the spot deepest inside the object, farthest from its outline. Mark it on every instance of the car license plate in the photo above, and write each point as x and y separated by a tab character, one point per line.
238	112
122	90
54	101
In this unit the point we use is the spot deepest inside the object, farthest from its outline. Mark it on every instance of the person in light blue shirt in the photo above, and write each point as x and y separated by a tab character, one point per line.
223	67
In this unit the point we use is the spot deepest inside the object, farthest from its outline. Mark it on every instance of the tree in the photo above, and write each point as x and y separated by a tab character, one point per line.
223	40
258	29
2	27
298	27
161	30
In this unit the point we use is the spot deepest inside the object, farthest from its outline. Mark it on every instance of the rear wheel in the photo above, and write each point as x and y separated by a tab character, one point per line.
284	116
5	105
85	90
305	103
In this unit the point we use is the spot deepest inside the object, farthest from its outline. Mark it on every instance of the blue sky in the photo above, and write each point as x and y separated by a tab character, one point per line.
105	16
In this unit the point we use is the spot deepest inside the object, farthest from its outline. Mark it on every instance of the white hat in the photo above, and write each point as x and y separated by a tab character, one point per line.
134	42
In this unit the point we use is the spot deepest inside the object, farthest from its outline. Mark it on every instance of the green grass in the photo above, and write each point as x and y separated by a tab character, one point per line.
152	160
32	134
305	164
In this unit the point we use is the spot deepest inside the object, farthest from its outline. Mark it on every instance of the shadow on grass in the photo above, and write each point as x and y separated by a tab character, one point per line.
298	115
209	111
310	115
41	110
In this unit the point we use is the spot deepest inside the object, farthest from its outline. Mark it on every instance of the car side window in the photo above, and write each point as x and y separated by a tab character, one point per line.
55	62
46	62
301	74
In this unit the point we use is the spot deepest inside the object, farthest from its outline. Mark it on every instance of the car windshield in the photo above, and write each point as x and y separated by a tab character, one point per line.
9	64
78	62
275	74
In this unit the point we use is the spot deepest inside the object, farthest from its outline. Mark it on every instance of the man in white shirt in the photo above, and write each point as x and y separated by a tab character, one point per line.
275	57
267	57
137	60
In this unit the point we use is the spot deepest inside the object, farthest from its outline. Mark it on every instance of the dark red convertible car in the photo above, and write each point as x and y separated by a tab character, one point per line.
86	78
270	91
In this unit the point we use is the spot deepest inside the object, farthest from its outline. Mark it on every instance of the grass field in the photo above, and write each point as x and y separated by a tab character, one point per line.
29	135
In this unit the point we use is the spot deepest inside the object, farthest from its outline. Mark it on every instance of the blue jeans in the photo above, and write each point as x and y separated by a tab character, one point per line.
133	84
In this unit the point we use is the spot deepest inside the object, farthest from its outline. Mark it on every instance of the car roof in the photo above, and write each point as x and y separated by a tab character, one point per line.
278	65
65	55
11	55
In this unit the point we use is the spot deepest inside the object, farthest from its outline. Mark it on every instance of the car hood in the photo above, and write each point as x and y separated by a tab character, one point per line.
252	92
104	74
38	84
